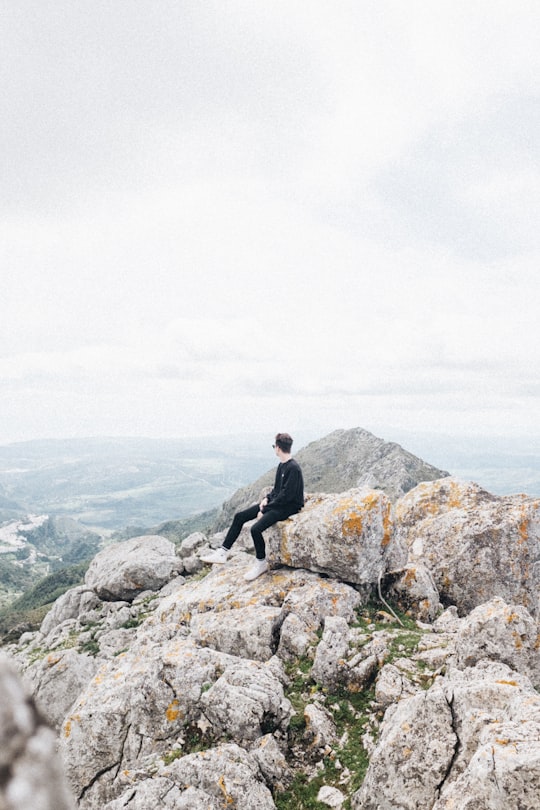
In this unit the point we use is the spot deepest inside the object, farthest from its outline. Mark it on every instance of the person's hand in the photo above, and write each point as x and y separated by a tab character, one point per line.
259	515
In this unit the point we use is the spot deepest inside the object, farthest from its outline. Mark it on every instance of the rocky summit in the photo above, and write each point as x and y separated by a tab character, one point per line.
343	460
388	660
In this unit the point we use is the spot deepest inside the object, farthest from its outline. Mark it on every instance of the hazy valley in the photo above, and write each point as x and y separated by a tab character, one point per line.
61	500
391	647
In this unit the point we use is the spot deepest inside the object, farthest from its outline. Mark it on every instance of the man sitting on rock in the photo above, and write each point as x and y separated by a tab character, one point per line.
285	499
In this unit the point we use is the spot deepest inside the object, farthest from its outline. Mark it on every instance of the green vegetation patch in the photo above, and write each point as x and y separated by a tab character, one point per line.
354	714
27	612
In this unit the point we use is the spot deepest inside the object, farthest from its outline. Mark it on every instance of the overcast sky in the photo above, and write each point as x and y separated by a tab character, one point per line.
235	216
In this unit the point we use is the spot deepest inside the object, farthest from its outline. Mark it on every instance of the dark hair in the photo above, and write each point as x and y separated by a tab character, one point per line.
284	442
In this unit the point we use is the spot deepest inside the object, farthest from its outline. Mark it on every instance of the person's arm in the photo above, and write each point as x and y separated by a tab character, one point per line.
273	492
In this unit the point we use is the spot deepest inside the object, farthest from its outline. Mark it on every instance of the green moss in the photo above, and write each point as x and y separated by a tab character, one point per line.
90	647
170	756
352	713
302	795
133	622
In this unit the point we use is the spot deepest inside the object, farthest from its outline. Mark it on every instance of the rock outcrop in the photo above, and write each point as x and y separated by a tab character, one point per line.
343	460
145	563
471	740
476	545
174	685
347	536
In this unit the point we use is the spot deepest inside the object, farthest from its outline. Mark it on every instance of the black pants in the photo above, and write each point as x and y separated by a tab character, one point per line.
269	517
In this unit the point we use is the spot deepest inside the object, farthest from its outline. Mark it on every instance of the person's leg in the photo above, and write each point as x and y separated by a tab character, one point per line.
219	555
238	521
268	519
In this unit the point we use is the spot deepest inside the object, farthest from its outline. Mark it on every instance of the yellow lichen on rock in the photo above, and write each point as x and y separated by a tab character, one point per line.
226	795
387	526
173	711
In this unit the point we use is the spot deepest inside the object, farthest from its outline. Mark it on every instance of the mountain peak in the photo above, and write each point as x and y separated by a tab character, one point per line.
344	459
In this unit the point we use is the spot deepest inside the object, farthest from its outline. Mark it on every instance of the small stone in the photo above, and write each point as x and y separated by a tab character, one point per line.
330	796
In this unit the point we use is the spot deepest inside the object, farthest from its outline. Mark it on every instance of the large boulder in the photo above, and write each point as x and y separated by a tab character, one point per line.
414	752
124	570
30	772
57	680
226	776
347	535
500	632
70	605
471	740
476	545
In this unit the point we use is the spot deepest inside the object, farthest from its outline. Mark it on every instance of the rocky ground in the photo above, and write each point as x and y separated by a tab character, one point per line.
174	685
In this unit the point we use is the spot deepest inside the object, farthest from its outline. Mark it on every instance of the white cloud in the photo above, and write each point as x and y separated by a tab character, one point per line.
221	215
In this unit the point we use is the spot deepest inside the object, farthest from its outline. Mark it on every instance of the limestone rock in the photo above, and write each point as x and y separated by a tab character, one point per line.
305	609
415	592
191	544
295	638
330	796
498	720
392	685
500	632
31	772
272	762
57	681
228	774
329	664
70	605
216	779
161	792
136	705
246	701
320	732
318	598
249	632
471	740
347	536
123	570
413	754
476	545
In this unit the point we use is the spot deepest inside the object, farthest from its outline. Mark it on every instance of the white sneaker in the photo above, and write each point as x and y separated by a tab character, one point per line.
259	567
218	556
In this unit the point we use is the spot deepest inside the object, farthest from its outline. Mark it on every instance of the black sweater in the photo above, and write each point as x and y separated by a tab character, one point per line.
288	491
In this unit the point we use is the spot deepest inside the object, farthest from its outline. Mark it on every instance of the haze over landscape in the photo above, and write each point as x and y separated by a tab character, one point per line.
233	217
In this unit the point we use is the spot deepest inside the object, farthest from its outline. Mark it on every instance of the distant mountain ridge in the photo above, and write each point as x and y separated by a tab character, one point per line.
340	461
113	483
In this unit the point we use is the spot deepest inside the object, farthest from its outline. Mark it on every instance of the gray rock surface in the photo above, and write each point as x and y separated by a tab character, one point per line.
348	536
57	680
476	545
124	570
208	691
471	740
500	632
70	605
227	776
